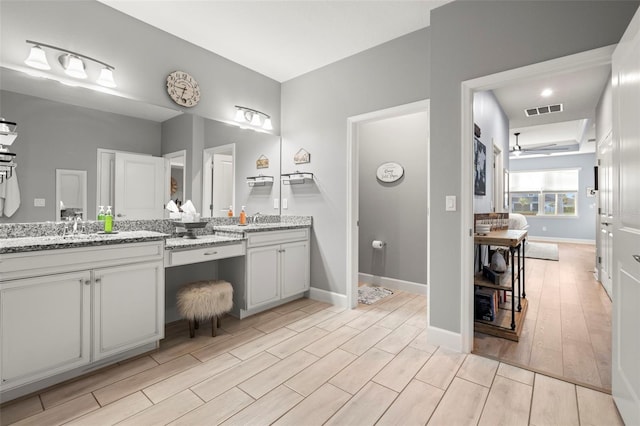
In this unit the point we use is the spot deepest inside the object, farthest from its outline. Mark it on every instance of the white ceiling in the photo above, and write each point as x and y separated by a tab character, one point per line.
282	39
578	91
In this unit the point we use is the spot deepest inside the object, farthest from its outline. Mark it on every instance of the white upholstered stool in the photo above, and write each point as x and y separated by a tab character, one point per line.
202	300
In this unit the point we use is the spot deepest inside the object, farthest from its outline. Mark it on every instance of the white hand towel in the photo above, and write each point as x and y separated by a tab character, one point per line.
9	195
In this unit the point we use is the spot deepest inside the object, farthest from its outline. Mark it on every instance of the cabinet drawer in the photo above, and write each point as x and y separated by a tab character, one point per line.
276	237
31	264
183	257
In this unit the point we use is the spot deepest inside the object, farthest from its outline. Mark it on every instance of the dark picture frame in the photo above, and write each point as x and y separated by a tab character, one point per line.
479	168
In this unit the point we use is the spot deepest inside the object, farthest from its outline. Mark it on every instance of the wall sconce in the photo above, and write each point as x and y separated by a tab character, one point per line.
253	117
72	63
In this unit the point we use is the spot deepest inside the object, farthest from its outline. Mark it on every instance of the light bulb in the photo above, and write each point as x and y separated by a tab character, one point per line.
37	59
239	115
267	124
106	78
255	120
75	67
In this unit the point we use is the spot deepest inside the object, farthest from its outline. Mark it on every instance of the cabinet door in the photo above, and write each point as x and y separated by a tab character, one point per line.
295	268
128	307
44	326
263	281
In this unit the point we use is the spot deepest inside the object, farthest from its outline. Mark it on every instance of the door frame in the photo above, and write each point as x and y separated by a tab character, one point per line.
575	62
353	189
207	159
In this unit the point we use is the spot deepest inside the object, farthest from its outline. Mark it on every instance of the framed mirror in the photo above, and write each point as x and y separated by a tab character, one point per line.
71	194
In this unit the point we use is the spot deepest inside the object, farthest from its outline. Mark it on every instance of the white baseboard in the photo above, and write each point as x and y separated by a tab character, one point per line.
336	299
445	338
561	240
408	286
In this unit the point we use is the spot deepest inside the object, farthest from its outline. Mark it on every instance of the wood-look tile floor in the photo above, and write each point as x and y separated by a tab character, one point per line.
309	363
567	330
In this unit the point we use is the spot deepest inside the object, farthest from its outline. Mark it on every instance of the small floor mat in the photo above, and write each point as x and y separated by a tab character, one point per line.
545	251
369	295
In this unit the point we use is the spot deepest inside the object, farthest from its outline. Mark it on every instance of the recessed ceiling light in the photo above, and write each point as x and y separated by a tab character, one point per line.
546	93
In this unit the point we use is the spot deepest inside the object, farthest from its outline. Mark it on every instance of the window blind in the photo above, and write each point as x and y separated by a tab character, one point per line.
563	180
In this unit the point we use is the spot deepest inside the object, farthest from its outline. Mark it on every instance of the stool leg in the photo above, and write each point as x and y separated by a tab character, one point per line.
213	325
196	323
192	331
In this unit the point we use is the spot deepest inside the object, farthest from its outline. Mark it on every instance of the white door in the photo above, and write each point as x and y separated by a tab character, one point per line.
295	268
44	327
140	186
128	307
222	184
605	202
626	234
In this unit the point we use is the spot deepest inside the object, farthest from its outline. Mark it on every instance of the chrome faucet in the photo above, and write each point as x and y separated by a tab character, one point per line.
255	217
75	224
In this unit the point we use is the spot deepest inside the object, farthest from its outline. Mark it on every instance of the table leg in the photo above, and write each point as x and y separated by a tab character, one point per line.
513	290
519	277
524	243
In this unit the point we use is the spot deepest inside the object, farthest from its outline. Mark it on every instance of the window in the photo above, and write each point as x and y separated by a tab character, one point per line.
544	192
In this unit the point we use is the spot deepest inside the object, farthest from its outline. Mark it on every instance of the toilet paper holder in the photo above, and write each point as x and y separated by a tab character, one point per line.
377	244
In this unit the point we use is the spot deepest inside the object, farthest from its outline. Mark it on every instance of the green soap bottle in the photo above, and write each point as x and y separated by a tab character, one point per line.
101	213
108	221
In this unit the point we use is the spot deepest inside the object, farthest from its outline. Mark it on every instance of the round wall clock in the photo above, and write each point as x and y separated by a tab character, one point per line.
389	172
183	89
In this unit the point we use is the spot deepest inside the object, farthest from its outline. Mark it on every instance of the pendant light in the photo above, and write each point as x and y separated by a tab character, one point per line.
37	58
73	66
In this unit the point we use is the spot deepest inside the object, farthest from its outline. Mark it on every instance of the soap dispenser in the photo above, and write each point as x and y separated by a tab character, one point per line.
230	212
108	221
101	213
243	217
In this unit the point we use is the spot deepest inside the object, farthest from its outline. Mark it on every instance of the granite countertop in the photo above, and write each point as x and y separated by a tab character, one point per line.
261	227
201	241
51	242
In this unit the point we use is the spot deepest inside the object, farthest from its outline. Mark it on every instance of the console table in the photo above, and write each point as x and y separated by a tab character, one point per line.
509	320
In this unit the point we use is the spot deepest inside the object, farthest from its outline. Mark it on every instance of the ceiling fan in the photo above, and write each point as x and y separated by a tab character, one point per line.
539	149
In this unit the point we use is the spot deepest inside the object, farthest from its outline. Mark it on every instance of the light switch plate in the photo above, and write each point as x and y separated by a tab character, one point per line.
285	205
450	204
38	202
275	203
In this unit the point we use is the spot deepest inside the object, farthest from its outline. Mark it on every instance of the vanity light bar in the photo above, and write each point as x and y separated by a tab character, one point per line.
253	117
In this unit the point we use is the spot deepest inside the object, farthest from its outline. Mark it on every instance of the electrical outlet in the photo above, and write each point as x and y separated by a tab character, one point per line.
275	203
285	205
38	202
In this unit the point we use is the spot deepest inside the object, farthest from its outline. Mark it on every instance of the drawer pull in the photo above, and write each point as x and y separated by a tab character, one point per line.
211	253
98	280
85	282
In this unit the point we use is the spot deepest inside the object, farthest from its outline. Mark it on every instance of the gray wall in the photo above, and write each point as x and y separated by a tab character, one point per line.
316	106
582	227
53	135
474	39
395	213
494	126
142	55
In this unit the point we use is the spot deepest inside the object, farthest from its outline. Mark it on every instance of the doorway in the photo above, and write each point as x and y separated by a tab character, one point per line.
353	187
581	61
218	181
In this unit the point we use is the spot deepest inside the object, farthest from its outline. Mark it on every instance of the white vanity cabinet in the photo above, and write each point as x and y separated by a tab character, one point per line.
277	266
128	307
67	308
44	326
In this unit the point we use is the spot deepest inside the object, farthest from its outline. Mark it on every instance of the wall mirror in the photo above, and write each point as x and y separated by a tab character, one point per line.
71	194
218	181
63	128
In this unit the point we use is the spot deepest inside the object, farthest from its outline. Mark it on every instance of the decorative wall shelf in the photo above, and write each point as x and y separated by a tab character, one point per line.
260	180
296	178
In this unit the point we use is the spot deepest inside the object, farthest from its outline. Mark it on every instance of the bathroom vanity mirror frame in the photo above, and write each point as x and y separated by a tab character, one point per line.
71	192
